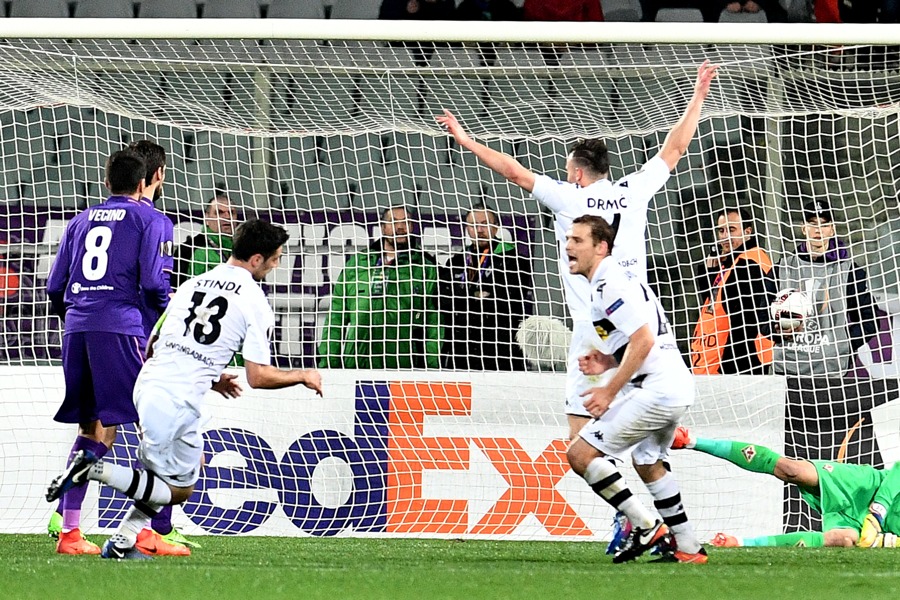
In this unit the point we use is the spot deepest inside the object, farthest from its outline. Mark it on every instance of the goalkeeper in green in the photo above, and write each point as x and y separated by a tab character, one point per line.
857	502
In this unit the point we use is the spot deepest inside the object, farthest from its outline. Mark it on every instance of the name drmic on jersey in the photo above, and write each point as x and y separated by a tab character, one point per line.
610	204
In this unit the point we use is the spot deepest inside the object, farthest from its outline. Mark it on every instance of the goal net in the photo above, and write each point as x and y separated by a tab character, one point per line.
320	131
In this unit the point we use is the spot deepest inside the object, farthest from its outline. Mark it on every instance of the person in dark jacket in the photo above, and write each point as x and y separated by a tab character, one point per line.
486	293
737	285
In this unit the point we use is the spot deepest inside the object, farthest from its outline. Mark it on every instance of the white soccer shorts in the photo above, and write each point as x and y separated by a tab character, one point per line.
576	381
171	444
636	420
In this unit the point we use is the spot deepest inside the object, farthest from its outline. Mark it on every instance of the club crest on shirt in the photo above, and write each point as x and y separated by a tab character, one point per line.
828	468
167	248
749	453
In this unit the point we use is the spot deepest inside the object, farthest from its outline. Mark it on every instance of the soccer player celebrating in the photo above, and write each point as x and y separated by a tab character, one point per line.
211	317
109	265
589	190
657	387
856	501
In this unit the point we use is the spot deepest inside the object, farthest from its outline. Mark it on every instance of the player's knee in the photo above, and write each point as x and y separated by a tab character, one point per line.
841	538
579	455
181	494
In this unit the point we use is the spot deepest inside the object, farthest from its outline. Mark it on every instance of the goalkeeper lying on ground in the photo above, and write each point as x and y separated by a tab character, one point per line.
856	501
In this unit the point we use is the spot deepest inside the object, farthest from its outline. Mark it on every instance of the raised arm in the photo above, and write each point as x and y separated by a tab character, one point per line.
676	143
502	164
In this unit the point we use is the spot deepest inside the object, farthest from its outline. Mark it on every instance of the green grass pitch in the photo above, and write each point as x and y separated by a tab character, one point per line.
232	568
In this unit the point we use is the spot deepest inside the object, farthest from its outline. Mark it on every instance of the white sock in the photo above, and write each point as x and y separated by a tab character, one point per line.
139	485
135	520
667	499
606	481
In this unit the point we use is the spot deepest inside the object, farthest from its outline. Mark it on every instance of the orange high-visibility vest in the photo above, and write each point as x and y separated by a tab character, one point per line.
714	324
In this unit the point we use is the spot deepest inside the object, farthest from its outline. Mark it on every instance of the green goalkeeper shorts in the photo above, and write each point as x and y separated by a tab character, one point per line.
844	495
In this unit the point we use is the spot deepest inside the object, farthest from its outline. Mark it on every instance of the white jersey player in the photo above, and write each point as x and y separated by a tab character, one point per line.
211	317
629	323
588	190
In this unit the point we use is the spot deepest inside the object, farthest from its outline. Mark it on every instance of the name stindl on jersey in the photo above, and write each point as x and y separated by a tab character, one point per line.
791	309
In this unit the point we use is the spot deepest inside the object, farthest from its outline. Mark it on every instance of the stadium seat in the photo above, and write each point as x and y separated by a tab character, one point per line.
184	230
347	234
355	9
231	9
743	17
292	9
679	15
167	9
622	10
39	8
312	275
111	9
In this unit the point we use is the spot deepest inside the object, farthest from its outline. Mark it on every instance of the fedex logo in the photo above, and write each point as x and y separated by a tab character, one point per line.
389	456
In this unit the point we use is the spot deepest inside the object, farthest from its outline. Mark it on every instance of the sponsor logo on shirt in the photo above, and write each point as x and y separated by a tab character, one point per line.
603	327
614	306
167	248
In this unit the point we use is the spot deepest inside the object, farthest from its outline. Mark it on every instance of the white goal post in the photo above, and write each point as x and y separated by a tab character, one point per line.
321	125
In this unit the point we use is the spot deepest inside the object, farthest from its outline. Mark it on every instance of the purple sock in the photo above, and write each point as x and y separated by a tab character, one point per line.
162	522
70	503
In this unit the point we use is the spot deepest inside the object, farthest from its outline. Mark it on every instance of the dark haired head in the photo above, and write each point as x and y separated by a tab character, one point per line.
591	155
601	231
257	237
124	172
481	207
746	219
154	156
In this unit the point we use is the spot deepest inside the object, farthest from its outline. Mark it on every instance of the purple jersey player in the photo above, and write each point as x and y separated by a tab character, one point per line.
109	268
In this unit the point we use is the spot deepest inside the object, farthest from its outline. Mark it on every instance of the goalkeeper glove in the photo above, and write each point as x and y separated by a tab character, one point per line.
870	535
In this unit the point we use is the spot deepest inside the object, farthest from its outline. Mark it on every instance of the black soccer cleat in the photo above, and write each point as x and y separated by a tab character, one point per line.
74	475
110	550
641	540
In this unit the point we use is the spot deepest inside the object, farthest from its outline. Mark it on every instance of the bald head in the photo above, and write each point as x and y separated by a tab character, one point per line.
220	215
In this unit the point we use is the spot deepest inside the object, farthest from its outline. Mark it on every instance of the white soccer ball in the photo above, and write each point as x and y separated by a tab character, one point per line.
544	342
791	309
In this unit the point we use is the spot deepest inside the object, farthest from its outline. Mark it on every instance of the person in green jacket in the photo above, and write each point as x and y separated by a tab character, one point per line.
209	248
384	305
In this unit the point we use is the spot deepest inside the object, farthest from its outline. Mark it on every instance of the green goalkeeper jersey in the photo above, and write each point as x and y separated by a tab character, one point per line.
844	494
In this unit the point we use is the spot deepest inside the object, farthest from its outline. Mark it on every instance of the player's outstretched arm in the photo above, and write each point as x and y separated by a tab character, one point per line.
676	143
502	164
268	377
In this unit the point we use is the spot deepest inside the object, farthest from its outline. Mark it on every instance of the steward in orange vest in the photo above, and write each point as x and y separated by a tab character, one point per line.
727	337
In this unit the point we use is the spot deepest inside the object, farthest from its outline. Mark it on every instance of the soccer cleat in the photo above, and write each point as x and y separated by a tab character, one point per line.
641	540
54	525
677	556
72	542
621	529
870	532
682	439
74	475
110	550
176	537
723	540
152	544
